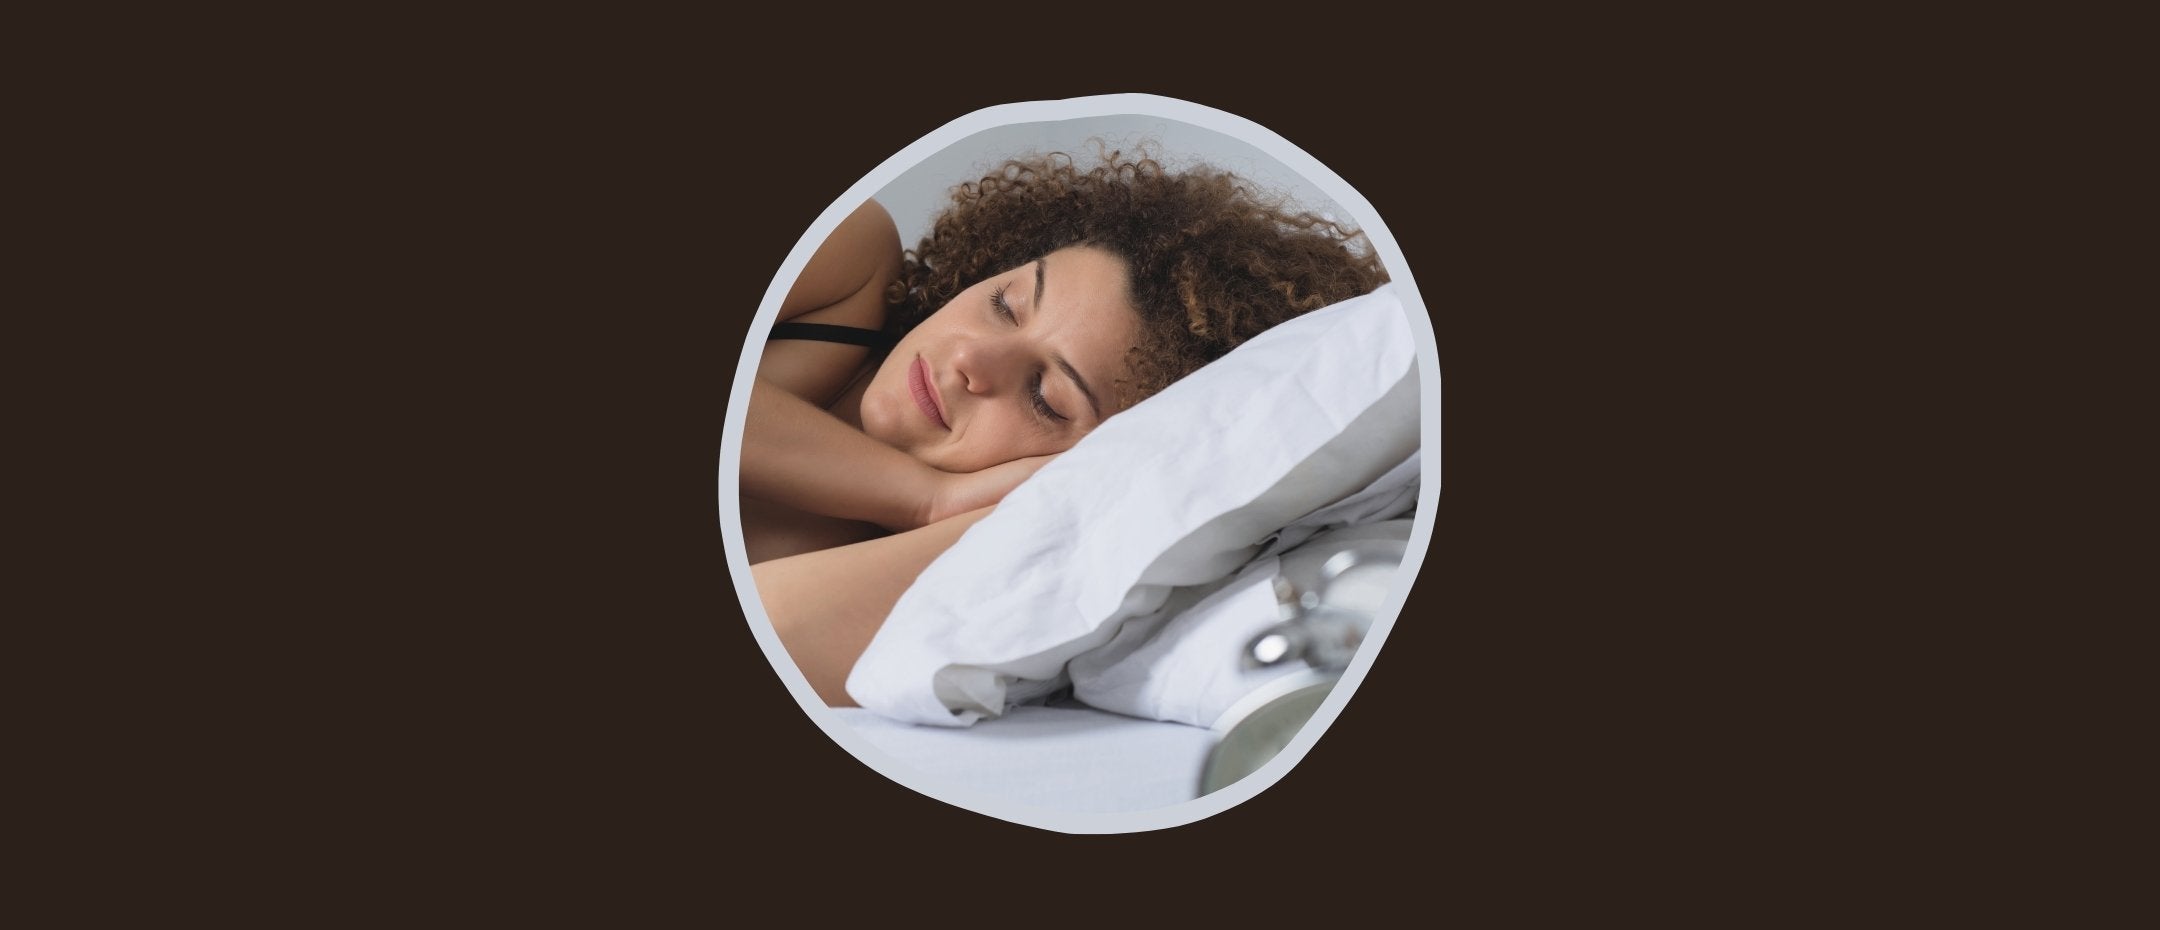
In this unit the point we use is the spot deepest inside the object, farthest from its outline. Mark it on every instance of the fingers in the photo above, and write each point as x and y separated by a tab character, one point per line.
962	492
1035	463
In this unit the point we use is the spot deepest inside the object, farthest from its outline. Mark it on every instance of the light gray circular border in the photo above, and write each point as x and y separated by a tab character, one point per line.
1428	360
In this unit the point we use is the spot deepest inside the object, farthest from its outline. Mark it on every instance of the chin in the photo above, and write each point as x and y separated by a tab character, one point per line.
877	424
884	421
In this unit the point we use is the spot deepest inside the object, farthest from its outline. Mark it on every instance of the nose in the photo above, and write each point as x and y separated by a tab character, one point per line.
987	364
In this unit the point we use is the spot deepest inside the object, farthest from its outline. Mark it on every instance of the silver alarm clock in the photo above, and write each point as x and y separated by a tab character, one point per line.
1329	591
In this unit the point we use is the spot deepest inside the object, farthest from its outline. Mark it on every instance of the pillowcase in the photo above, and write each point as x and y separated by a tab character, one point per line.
1178	491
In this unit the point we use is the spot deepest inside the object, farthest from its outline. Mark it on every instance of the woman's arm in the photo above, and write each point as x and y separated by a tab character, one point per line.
843	285
797	454
827	605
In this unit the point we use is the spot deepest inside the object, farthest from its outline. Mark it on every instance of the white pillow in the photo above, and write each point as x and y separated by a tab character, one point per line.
1180	490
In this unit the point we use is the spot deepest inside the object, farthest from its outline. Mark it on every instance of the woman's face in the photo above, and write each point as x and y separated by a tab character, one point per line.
1022	364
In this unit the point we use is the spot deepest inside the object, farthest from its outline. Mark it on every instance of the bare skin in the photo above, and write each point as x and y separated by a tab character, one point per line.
826	605
842	285
859	471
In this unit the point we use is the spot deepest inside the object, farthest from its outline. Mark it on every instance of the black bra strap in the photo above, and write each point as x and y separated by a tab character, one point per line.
822	332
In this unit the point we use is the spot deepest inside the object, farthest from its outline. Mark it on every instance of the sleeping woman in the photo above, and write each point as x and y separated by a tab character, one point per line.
902	394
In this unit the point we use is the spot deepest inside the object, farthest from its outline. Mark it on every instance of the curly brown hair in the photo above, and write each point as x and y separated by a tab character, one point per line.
1212	261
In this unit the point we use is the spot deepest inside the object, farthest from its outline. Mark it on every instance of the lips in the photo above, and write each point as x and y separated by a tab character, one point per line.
926	394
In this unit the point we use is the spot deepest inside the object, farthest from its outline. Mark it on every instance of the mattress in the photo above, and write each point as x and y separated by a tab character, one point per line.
1062	758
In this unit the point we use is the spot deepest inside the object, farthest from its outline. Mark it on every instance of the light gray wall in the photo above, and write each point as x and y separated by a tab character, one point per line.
915	197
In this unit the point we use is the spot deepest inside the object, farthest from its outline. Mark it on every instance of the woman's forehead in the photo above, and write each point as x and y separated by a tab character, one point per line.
1080	274
1085	316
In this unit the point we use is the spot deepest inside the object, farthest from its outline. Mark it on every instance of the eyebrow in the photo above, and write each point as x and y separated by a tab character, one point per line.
1040	265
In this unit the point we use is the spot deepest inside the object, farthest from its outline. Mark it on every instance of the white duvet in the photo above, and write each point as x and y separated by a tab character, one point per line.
1170	511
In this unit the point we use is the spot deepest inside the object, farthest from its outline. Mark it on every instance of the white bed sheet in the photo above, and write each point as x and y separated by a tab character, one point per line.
1064	758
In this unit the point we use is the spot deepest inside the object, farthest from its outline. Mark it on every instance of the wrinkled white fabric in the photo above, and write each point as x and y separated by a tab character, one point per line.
1176	493
1393	494
1186	664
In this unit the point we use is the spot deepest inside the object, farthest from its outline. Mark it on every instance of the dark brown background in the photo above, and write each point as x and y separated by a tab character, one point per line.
434	502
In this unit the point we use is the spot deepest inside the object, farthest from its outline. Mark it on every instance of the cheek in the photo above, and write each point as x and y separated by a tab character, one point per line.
1007	437
990	440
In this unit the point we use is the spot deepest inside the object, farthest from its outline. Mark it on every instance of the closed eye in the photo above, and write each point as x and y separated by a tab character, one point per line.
1042	403
1036	399
1001	307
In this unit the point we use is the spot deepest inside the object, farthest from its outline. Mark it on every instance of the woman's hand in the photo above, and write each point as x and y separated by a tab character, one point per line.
953	493
799	456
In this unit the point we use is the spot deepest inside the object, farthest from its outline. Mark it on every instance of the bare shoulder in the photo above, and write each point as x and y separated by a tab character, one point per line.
844	282
843	285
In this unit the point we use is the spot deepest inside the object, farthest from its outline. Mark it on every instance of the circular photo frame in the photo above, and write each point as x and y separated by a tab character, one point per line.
1101	655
